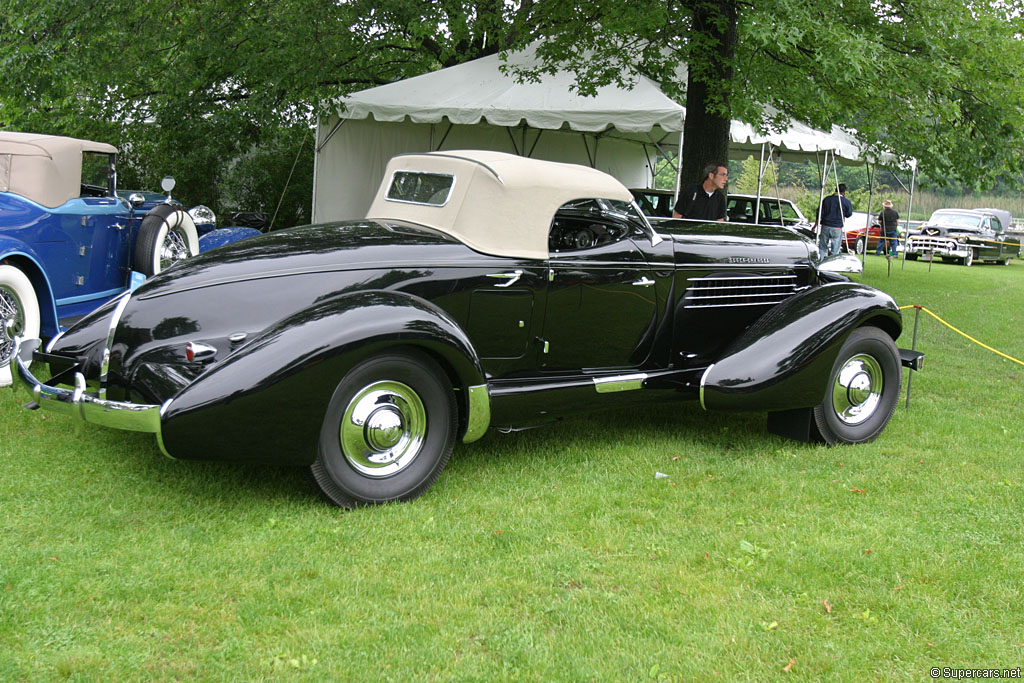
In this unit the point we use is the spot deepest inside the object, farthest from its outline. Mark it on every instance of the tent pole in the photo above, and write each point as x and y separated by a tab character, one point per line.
823	175
910	207
679	168
867	220
540	131
512	139
760	178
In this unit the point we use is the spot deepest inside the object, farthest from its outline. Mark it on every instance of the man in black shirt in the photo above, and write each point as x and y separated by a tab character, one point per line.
704	201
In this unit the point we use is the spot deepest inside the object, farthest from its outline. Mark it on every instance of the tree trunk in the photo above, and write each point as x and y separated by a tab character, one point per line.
706	129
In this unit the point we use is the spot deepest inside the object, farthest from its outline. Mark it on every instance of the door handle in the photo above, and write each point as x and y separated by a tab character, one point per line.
511	278
643	282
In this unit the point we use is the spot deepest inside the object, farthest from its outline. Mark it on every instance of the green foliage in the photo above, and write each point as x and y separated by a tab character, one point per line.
202	91
925	79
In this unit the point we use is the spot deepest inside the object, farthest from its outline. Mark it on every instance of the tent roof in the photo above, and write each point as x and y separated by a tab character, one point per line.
479	90
475	90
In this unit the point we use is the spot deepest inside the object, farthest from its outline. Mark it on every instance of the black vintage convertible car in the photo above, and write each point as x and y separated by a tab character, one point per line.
482	291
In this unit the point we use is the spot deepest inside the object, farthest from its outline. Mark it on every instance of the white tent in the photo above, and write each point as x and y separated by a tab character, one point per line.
477	106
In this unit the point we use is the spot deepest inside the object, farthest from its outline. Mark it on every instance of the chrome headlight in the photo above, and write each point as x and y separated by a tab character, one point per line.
841	263
202	215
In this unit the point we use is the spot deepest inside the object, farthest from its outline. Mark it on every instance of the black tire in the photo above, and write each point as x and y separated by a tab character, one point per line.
387	433
969	259
167	235
19	315
859	246
863	388
912	257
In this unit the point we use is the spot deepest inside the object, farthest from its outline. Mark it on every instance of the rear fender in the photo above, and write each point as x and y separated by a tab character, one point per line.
23	257
266	402
784	360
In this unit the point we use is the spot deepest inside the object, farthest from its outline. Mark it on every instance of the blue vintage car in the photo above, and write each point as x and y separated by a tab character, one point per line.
68	240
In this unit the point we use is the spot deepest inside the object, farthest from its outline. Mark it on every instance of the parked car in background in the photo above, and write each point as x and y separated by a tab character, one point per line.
964	236
482	290
68	241
654	203
741	208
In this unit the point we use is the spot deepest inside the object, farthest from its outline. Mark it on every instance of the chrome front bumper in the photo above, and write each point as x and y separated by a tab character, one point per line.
937	245
135	417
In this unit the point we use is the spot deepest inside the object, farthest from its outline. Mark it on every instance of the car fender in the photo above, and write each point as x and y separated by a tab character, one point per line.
784	360
273	391
18	254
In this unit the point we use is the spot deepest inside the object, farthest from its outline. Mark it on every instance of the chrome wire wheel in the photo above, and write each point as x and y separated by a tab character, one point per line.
857	391
19	315
383	429
174	248
12	321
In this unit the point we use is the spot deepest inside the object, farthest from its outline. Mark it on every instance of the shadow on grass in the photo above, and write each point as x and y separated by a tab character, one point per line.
135	461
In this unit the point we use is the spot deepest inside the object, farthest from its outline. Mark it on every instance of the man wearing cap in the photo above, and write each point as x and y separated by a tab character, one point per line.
889	219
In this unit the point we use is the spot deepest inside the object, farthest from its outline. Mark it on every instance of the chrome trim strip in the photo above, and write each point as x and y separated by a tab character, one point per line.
135	417
49	345
703	380
608	385
105	362
730	278
478	412
752	303
88	297
512	277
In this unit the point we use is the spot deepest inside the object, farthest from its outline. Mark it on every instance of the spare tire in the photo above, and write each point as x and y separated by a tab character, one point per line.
167	235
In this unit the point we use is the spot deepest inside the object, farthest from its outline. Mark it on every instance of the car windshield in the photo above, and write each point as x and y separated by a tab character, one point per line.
960	220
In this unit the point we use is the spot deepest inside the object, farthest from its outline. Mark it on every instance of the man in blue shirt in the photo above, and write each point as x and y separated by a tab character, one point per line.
834	209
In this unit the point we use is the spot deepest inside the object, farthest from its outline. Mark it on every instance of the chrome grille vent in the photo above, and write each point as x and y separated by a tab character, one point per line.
719	291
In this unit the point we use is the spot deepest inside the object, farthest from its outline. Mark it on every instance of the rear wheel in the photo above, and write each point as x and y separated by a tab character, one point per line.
19	315
167	235
859	246
863	388
388	431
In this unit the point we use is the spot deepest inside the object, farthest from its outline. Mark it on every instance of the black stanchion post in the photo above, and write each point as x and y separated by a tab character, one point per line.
913	347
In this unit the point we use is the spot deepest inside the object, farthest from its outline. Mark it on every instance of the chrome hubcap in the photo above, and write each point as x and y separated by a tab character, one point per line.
858	389
175	248
12	322
383	428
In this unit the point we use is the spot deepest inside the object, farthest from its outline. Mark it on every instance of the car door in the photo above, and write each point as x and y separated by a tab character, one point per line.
602	303
988	244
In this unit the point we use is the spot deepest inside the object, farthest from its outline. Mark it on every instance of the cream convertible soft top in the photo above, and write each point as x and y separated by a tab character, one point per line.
500	204
45	168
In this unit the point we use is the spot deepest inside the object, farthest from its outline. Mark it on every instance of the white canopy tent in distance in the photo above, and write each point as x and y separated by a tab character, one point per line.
481	105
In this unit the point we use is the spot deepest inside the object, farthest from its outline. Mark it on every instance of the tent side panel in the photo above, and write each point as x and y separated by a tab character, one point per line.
351	165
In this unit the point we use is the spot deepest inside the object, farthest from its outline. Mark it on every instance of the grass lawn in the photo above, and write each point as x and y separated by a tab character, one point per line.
552	553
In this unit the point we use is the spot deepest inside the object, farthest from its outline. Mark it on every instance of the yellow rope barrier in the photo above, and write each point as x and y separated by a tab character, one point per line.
981	344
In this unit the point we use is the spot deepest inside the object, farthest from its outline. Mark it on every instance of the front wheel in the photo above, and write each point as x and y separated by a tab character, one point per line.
912	257
863	388
388	431
969	259
167	235
19	316
860	245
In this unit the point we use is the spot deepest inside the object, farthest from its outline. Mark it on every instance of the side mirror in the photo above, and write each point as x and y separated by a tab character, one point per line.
167	183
